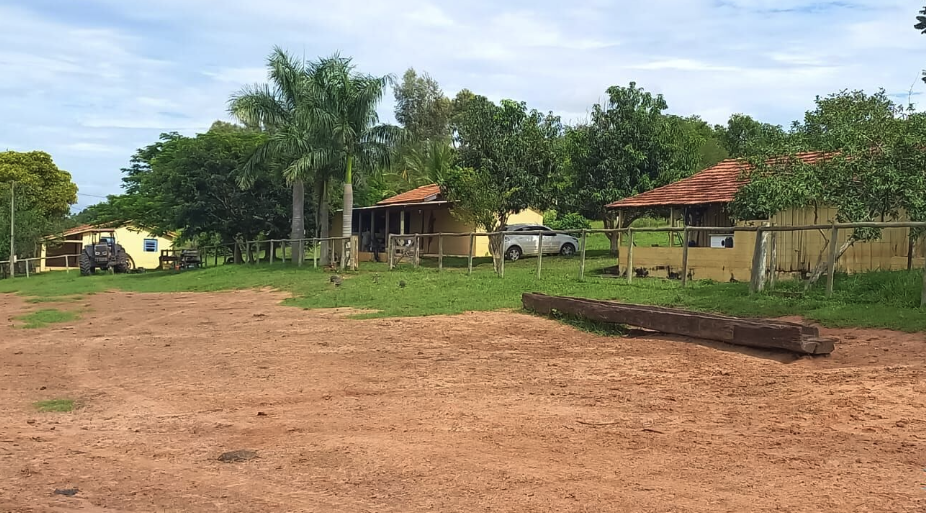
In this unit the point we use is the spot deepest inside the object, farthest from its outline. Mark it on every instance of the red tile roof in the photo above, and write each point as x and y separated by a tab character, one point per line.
422	194
717	184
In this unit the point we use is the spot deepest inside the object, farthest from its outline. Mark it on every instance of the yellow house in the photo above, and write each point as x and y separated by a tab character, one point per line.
421	210
143	248
702	199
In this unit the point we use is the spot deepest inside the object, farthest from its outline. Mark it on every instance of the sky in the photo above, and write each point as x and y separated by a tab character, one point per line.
89	81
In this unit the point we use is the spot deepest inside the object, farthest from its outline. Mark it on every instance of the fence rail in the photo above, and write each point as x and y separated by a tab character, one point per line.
765	247
12	267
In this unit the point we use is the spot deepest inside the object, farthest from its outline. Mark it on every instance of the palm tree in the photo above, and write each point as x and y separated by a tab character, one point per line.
287	110
354	138
428	162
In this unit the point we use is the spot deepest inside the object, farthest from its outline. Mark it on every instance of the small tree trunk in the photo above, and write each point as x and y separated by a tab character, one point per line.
821	267
347	222
612	237
236	252
298	228
323	224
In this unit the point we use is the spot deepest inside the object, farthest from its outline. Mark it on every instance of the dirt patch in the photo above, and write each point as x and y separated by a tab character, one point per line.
477	412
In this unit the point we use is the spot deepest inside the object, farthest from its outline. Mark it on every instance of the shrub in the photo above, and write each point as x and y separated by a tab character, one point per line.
571	221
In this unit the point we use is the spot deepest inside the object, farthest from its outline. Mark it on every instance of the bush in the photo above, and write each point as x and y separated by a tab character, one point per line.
567	222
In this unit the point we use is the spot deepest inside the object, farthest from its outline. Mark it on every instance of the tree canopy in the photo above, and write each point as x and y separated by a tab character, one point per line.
38	178
421	107
743	136
43	198
629	146
874	169
190	185
508	156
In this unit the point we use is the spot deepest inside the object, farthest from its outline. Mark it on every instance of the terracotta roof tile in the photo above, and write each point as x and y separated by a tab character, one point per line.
717	184
420	195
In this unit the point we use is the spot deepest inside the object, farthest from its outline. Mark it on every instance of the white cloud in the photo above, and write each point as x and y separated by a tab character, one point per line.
97	86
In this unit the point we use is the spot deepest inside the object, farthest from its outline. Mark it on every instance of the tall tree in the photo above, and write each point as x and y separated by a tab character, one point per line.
190	185
743	136
508	154
421	107
43	197
874	170
286	109
630	146
346	103
39	179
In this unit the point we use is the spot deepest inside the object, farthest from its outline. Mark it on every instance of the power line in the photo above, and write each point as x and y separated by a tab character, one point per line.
91	195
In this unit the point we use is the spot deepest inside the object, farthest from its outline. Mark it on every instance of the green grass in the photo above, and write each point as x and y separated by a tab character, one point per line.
55	405
42	318
877	299
54	299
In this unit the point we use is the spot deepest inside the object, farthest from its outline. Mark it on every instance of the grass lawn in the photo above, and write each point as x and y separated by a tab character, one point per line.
878	299
55	405
42	318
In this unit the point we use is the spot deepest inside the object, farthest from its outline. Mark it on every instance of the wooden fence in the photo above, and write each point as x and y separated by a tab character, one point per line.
765	253
250	250
11	269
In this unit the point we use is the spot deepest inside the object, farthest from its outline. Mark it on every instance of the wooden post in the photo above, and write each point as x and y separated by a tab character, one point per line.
923	296
343	249
582	256
440	252
773	262
539	254
387	227
469	258
390	251
67	264
271	251
417	251
402	222
620	238
911	246
501	267
630	255
671	225
831	261
758	263
26	261
684	256
315	254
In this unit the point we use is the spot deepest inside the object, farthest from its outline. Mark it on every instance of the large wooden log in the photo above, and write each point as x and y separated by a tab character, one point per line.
761	333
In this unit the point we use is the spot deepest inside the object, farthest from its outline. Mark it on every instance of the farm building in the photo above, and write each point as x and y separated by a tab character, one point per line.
421	210
702	200
143	248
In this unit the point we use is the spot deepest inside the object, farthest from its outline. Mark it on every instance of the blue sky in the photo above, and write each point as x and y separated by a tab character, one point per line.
90	81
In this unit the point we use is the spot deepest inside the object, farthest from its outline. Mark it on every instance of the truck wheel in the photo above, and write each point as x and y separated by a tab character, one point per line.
86	267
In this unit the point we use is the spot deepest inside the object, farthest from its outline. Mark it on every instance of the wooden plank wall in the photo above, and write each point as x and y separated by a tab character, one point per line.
802	251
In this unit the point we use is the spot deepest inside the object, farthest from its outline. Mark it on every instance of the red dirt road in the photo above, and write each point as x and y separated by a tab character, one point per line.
471	413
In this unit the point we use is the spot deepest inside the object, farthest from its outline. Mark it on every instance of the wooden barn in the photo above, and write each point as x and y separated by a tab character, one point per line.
703	200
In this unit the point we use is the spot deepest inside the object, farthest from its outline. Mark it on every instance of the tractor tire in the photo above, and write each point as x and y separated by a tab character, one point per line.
86	266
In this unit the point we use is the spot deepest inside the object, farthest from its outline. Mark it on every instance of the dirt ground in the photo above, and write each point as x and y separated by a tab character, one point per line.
478	412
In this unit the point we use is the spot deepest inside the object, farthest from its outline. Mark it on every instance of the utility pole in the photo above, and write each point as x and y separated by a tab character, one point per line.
12	233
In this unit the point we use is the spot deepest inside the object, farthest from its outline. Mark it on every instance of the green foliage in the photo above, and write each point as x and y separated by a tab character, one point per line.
572	221
743	136
508	154
42	318
630	146
190	185
874	168
43	197
421	107
37	178
54	405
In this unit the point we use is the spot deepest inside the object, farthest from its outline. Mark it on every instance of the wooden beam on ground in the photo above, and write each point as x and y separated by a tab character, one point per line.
759	333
